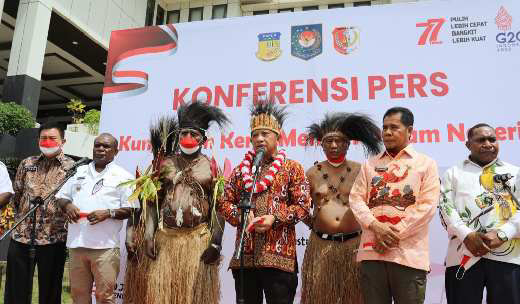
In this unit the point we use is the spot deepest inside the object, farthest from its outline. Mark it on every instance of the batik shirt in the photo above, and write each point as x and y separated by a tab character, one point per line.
38	176
467	191
288	199
402	191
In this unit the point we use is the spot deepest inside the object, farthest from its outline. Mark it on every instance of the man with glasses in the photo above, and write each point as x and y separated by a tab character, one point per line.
281	198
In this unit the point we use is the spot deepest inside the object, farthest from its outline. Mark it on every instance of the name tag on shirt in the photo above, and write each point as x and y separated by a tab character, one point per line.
31	168
381	169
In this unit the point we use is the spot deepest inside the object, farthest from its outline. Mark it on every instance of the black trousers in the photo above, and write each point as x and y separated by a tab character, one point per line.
50	260
501	280
279	286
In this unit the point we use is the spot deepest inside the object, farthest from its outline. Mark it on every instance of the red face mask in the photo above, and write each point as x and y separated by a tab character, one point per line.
49	147
189	145
337	161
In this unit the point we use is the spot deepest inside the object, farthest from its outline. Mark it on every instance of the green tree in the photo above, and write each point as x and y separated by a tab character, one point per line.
14	117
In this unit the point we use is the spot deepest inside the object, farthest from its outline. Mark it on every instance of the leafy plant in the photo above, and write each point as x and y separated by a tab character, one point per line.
91	119
7	212
77	108
14	117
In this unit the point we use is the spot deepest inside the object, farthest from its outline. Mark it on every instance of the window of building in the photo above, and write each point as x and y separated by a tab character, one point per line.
362	3
336	5
150	9
159	18
310	8
260	12
173	17
286	10
196	13
219	11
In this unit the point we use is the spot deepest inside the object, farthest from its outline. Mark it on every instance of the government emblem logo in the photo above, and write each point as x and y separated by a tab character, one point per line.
306	41
269	46
346	39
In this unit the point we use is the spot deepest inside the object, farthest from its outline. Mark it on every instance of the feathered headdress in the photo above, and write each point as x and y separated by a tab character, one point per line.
164	133
354	126
199	115
266	114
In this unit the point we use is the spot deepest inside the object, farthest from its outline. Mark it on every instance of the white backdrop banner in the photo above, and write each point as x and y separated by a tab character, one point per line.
453	63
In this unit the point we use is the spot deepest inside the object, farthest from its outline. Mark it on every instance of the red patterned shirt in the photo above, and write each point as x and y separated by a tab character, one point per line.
288	199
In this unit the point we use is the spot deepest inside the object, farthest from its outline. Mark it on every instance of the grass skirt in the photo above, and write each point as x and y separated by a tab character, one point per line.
330	273
136	276
178	276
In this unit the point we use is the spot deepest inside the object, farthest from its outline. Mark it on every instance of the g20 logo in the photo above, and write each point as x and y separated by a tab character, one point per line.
509	37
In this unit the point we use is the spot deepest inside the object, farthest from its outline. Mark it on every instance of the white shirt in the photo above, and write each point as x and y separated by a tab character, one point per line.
90	190
5	181
465	194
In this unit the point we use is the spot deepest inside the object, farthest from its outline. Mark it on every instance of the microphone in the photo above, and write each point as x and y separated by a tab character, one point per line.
82	161
258	158
502	178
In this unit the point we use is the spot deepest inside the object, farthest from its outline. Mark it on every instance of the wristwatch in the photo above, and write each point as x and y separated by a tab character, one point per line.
112	213
502	236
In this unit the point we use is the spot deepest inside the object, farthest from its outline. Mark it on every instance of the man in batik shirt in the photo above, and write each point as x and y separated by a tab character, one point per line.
37	176
282	199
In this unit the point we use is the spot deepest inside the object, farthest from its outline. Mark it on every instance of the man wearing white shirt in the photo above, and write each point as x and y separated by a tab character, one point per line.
6	191
483	224
96	207
6	187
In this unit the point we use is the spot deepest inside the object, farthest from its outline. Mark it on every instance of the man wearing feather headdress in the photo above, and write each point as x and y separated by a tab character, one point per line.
330	273
182	234
483	224
282	199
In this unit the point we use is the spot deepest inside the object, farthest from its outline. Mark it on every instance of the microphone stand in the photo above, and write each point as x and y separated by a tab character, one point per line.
245	206
37	202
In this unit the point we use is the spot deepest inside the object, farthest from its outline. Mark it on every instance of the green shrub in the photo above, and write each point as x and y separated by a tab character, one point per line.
91	119
14	117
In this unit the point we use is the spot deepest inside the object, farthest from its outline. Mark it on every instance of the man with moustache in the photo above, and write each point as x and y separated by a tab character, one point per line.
282	199
95	206
394	199
330	273
483	224
36	177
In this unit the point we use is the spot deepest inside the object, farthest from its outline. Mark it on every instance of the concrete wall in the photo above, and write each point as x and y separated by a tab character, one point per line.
98	18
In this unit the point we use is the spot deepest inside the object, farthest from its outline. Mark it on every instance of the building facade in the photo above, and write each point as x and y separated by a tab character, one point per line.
52	51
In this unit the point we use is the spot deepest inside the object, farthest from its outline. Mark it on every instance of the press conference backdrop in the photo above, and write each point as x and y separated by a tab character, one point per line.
453	63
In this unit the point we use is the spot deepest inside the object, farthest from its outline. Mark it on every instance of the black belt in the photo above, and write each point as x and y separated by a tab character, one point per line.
338	237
